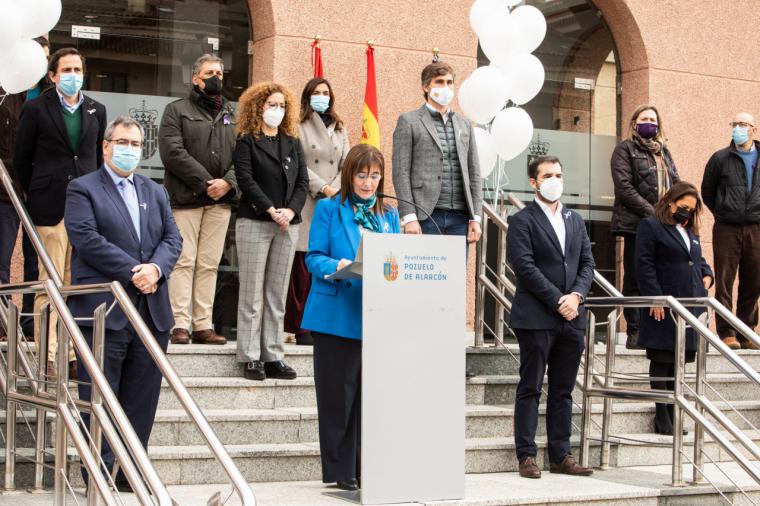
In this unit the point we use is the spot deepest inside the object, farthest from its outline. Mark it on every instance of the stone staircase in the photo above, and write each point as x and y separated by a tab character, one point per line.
270	427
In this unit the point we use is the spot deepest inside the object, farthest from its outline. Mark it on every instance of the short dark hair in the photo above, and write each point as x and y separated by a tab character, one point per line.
42	41
536	163
676	192
64	51
434	70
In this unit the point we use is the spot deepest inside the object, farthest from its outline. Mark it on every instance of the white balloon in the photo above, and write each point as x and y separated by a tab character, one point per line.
512	3
487	93
500	39
525	77
482	11
531	24
487	154
10	26
465	103
512	131
38	17
23	66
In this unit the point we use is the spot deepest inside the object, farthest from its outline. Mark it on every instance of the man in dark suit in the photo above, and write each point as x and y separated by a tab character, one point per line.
59	137
550	253
122	229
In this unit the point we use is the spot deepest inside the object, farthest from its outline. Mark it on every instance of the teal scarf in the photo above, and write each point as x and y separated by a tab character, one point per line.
364	216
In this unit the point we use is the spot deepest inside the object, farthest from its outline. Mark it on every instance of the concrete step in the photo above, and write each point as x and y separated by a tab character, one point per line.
184	465
299	425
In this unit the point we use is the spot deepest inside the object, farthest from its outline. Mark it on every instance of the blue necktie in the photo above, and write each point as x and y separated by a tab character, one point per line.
128	193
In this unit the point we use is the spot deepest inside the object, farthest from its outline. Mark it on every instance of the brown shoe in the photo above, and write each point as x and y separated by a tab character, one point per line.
529	468
180	336
570	466
208	337
749	345
731	342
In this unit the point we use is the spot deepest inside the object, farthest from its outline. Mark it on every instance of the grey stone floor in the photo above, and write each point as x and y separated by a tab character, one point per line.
640	486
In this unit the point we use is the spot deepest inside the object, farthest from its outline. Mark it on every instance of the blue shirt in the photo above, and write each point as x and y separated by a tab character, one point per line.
70	108
750	160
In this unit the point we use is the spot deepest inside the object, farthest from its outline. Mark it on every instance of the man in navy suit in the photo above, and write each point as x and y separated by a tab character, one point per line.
121	229
550	253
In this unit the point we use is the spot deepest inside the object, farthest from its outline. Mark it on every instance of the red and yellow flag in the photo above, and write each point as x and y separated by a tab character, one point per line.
370	124
316	57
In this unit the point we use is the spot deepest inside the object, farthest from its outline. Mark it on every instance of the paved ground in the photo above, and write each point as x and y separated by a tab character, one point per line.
634	485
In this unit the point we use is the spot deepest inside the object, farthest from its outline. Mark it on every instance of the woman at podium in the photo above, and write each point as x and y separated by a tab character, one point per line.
333	310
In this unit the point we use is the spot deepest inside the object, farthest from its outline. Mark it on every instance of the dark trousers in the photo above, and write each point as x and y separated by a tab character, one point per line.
450	223
9	223
298	292
737	248
338	381
657	372
630	283
557	353
133	376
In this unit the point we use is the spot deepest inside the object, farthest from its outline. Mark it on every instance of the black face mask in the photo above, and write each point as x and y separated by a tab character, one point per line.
683	216
212	85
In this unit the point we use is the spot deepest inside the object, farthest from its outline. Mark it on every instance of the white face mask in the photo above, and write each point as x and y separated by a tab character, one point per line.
551	189
442	96
273	116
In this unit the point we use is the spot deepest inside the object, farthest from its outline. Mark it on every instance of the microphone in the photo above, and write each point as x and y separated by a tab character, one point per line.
385	196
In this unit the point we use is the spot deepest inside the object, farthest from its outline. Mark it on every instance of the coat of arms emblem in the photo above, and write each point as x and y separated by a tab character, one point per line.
390	268
147	118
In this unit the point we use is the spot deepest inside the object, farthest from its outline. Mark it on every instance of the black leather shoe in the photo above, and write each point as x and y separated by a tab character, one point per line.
123	486
348	485
255	370
279	370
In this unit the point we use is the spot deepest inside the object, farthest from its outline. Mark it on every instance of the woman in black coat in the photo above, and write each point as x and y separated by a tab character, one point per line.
270	168
669	262
642	171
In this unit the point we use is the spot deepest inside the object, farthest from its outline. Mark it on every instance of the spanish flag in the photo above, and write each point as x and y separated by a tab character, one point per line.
370	124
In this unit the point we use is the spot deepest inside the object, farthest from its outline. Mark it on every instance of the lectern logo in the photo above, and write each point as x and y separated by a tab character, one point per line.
390	268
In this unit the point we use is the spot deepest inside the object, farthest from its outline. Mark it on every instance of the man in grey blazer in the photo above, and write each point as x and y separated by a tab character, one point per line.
435	163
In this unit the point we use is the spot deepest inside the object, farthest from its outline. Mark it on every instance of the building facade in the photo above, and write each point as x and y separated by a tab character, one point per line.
693	60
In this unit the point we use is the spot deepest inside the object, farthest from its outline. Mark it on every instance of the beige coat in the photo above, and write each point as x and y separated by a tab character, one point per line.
325	150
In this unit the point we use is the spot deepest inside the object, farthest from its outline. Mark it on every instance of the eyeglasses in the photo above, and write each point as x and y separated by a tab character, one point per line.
362	176
126	142
741	124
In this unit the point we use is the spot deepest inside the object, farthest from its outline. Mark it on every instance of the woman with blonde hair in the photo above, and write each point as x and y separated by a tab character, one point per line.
271	172
642	171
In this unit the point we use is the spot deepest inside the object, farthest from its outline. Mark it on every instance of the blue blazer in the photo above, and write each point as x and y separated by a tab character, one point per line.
335	307
542	272
665	267
106	247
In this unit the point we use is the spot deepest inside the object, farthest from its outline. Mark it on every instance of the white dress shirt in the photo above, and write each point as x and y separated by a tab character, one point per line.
685	236
556	220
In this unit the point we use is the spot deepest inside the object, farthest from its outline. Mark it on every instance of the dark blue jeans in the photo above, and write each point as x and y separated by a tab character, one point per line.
450	223
9	223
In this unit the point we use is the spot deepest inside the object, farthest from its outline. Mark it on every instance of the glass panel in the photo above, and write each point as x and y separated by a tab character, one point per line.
143	61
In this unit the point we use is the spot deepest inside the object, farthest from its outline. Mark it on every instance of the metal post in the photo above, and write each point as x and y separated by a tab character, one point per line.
588	371
501	248
61	439
42	353
677	475
98	348
10	406
480	293
699	431
609	382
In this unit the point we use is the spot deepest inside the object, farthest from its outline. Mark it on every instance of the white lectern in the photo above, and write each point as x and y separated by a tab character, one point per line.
413	368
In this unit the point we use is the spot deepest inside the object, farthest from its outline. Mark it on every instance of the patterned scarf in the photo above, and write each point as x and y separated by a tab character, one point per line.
364	216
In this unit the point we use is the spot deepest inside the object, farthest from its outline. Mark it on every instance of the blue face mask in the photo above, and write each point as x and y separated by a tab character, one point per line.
70	83
320	103
740	135
126	158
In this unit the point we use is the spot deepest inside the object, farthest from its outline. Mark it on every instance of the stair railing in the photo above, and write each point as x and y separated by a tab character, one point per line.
107	417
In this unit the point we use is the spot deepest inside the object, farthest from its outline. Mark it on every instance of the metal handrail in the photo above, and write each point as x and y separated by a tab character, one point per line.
55	291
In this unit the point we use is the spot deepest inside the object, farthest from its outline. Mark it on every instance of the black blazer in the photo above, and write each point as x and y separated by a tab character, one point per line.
543	273
665	267
268	178
43	158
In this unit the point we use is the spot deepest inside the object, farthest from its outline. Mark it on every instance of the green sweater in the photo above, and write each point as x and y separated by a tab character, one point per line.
73	122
